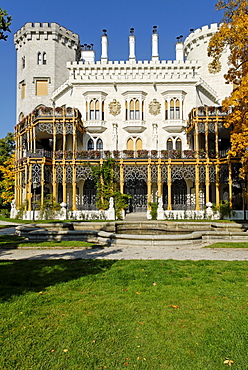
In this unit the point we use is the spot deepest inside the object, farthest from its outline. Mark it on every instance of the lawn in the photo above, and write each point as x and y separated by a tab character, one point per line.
100	314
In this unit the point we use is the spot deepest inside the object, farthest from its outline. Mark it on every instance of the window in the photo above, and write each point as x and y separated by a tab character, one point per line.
130	145
169	144
90	144
23	90
23	62
41	87
99	144
44	59
139	144
134	109
178	144
134	144
95	110
39	58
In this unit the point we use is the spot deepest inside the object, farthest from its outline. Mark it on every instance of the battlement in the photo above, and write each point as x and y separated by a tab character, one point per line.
200	35
45	31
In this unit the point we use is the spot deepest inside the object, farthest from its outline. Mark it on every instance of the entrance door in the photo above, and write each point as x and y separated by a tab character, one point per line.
89	197
179	195
137	188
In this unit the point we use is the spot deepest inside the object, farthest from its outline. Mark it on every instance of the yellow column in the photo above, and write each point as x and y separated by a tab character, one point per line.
29	188
121	177
217	185
54	184
169	183
217	138
197	188
230	182
149	184
207	182
159	179
42	181
64	181
74	187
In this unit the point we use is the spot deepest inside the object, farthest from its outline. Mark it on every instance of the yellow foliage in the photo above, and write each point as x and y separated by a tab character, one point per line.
8	181
233	34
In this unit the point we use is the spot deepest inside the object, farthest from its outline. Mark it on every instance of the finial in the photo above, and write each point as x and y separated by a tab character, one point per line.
154	29
104	32
131	31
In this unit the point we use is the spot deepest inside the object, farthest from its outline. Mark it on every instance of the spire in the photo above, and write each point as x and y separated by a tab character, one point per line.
132	57
155	55
104	56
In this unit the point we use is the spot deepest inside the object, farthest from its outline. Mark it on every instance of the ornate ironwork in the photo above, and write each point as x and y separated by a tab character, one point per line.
154	173
212	173
138	172
83	173
224	174
201	127
164	173
69	174
202	173
179	172
36	173
69	128
48	174
235	173
45	127
211	127
59	174
59	128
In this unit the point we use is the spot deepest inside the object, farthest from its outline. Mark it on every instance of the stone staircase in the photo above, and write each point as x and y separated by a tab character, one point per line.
136	216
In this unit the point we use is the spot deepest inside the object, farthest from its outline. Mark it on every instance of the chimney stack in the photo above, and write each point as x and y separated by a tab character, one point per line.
104	56
179	49
155	55
132	57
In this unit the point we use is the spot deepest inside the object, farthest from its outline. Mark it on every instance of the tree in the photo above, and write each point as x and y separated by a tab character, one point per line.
5	22
233	34
8	180
7	146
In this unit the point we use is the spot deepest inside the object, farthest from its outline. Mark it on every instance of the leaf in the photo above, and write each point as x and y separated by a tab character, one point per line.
228	362
175	306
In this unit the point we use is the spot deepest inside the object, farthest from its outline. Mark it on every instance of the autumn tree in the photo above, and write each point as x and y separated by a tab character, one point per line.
8	180
5	22
233	35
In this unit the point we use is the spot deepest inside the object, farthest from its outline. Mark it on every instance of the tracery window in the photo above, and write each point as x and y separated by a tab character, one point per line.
134	144
39	61
99	144
94	110
174	104
133	107
90	144
44	59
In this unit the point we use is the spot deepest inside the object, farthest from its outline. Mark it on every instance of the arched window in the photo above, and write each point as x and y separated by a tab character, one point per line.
44	59
39	58
178	144
97	110
177	115
134	109
130	145
92	110
166	110
90	144
172	115
94	107
169	144
99	144
23	62
139	144
131	109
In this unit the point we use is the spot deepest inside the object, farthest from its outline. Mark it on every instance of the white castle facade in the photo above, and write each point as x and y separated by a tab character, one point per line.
161	120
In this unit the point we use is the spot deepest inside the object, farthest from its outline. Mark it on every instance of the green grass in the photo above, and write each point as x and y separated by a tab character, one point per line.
14	242
100	314
228	245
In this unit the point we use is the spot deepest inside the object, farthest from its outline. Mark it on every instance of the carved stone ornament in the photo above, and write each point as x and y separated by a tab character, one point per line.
154	107
114	108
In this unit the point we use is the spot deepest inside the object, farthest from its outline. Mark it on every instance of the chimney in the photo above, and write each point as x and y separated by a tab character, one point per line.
132	57
88	53
155	55
104	56
179	49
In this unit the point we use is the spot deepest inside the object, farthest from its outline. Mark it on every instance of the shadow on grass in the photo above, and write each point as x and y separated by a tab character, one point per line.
20	277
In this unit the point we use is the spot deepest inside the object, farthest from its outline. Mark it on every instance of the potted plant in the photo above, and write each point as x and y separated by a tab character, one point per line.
142	153
107	153
189	153
164	153
116	154
129	153
175	154
154	153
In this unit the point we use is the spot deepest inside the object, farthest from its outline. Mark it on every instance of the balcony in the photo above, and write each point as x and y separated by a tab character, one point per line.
174	125
95	126
134	126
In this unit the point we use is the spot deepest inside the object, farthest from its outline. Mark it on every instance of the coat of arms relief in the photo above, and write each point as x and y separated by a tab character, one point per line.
154	107
114	108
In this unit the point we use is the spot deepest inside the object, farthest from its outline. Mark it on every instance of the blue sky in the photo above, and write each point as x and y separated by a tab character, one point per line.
173	18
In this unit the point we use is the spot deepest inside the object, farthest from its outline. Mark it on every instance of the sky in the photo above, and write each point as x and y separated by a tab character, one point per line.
87	18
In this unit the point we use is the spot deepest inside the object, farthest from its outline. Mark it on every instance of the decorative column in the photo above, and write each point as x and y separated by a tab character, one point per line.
169	183
155	136
121	177
74	187
42	182
197	187
207	182
217	139
149	184
64	182
115	136
159	179
54	183
29	187
217	185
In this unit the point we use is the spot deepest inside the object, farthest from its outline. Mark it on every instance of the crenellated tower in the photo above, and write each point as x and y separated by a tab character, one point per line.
42	52
195	48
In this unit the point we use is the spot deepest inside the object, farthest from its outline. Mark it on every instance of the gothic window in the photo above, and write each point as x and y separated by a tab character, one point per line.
139	144
130	144
23	62
172	113
173	109
99	144
169	144
90	144
134	109
23	90
44	59
94	109
178	144
39	61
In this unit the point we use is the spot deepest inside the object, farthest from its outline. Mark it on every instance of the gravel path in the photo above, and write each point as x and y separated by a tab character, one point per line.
145	253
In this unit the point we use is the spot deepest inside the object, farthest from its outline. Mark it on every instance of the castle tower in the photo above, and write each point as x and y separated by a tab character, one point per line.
42	52
195	48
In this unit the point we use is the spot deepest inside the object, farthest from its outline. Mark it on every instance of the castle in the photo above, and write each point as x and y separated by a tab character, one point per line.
161	120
